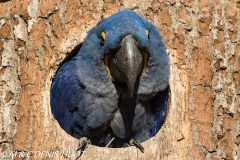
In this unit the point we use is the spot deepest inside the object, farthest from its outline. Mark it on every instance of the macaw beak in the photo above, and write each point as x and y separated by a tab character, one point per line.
127	64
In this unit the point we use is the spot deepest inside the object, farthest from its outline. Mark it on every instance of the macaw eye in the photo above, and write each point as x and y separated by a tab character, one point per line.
103	38
147	33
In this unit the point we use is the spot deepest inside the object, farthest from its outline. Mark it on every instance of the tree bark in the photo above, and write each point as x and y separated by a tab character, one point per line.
203	42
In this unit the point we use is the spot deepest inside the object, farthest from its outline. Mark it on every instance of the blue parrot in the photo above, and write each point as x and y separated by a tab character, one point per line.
113	92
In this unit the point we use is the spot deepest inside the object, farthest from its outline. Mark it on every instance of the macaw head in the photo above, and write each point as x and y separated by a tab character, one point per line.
124	48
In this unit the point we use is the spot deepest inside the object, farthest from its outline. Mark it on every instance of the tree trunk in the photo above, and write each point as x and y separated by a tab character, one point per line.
202	38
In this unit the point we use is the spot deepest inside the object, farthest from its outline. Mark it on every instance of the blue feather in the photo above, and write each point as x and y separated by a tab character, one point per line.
159	109
64	86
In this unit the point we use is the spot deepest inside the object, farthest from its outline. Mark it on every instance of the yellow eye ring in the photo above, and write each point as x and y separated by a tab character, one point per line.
147	33
103	38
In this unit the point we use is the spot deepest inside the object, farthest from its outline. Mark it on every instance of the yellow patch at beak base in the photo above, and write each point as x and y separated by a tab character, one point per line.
106	59
145	60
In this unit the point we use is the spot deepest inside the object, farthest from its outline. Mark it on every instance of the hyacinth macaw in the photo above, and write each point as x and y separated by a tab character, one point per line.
115	89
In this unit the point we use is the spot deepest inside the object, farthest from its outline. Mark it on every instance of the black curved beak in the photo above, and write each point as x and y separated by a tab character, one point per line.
127	64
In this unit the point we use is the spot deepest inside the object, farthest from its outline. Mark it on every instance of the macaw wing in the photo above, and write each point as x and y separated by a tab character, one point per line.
66	92
159	108
78	112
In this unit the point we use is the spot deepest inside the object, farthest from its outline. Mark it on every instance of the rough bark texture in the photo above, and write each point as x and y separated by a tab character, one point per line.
202	38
